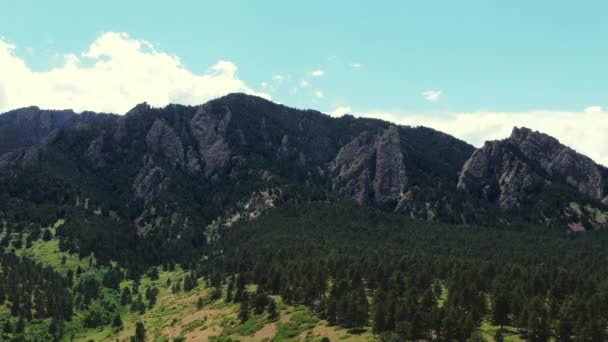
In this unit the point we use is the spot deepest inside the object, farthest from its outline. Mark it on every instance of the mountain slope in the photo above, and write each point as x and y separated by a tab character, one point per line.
187	166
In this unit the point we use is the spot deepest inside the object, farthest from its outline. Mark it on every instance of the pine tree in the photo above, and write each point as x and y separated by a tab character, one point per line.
140	332
500	311
379	318
538	321
273	313
244	311
117	321
499	337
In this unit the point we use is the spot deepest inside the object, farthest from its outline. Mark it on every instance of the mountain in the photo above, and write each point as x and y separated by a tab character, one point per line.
166	166
242	219
530	168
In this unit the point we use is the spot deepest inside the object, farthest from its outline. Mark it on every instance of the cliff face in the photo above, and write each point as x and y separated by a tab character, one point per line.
202	161
371	169
506	171
26	127
24	132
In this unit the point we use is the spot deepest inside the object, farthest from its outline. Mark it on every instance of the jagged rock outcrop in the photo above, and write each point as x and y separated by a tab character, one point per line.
209	131
497	173
371	169
26	127
150	182
506	171
161	138
94	152
20	158
578	170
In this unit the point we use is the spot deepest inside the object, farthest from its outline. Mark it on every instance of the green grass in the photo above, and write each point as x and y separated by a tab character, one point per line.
302	319
248	328
509	333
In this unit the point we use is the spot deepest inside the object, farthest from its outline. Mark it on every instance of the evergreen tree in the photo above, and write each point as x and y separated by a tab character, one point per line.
273	312
538	321
117	321
140	332
500	311
244	311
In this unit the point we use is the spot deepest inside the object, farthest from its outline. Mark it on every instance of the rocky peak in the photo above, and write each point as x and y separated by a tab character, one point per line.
506	171
579	171
371	169
209	131
161	138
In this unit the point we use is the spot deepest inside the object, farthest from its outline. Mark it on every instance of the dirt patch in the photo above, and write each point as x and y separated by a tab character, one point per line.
203	335
266	333
200	315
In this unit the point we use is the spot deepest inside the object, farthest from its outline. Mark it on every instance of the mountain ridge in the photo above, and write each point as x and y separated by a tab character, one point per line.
186	156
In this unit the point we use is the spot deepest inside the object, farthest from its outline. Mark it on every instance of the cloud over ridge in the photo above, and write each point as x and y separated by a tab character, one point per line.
113	75
584	130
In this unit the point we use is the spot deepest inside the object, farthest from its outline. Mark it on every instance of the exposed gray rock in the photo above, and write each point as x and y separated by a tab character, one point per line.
390	178
23	157
161	138
192	162
150	181
26	127
94	152
209	133
371	169
578	170
506	171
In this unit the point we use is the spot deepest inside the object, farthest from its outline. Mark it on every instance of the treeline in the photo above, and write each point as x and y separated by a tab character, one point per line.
31	291
413	280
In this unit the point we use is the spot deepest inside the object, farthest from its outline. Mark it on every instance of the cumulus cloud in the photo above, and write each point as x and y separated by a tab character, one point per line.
319	94
340	111
304	84
585	130
317	73
432	95
113	75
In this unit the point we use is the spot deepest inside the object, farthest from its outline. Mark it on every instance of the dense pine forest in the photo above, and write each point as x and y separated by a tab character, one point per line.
375	274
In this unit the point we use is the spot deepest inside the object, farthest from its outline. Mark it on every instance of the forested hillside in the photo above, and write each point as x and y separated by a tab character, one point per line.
242	219
310	270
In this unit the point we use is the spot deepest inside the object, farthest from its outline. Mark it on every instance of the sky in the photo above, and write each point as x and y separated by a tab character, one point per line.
471	68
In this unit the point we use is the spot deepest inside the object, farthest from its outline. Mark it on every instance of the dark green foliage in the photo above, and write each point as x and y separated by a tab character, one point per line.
244	311
140	332
273	312
33	290
300	249
538	329
117	321
500	310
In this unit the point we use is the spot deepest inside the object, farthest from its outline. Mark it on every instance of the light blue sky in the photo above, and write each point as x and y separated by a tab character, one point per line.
490	64
495	55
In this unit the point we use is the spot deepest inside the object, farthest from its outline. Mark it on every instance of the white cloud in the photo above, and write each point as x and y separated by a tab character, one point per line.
355	65
317	73
319	94
340	111
432	95
280	78
113	75
585	130
304	84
